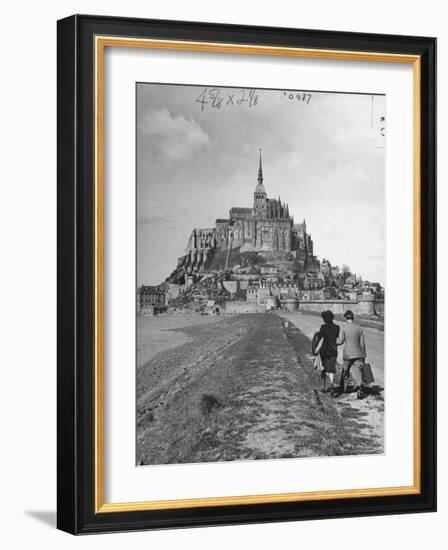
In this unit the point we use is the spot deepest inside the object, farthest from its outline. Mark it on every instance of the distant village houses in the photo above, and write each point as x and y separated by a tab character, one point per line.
151	300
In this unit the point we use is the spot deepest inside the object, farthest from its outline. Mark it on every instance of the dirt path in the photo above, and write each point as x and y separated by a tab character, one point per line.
309	324
371	408
243	388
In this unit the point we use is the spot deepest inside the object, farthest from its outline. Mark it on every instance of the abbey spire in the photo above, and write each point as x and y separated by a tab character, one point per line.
260	195
260	187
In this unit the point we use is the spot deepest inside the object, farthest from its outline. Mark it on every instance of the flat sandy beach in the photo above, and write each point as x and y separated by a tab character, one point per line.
160	332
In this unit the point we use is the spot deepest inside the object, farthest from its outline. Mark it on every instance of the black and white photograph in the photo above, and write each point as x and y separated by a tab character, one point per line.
226	216
260	273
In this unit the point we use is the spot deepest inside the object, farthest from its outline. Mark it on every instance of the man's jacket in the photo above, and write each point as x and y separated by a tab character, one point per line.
352	336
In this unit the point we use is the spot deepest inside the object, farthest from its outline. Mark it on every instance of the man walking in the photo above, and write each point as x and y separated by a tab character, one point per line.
352	336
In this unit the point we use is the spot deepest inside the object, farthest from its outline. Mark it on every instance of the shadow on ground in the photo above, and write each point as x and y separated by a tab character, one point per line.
48	517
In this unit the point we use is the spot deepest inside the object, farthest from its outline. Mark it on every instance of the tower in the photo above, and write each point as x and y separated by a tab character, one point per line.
260	196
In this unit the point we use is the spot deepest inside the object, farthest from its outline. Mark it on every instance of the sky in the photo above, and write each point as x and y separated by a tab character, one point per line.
197	156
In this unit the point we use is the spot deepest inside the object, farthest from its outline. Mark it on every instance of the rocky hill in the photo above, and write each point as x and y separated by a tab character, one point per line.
235	262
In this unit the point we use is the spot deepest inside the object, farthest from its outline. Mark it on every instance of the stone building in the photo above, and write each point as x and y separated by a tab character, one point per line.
152	300
313	281
266	226
272	295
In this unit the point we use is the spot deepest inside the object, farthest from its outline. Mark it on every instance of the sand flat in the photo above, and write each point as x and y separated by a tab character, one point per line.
158	333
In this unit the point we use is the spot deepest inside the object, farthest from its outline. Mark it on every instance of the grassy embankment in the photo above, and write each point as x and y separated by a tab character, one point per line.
243	388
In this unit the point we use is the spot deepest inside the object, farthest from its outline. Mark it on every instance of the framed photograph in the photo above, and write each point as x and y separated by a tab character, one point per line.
246	274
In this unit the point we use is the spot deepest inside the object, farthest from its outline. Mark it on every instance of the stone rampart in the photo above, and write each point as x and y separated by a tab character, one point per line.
362	306
244	307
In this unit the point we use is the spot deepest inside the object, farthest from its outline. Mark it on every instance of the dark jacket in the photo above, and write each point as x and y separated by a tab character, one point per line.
329	332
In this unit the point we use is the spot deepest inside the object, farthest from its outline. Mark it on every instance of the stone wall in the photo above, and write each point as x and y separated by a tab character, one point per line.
245	277
173	291
338	307
289	304
153	310
244	307
230	286
359	307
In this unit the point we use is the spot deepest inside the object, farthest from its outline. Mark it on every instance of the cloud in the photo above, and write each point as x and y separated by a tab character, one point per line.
172	138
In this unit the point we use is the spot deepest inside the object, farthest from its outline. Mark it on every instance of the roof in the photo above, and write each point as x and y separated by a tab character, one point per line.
240	210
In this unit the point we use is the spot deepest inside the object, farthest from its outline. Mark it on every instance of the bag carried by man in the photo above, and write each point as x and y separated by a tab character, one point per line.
367	374
346	383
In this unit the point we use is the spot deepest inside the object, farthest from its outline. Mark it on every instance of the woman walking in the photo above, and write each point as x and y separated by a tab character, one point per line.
327	348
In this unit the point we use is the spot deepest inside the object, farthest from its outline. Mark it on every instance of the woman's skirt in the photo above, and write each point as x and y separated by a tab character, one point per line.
329	363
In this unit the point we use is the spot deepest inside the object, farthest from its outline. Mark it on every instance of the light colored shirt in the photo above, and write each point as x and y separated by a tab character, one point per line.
352	336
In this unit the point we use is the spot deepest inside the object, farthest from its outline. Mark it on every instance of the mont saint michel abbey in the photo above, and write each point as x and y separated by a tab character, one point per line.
257	259
267	226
